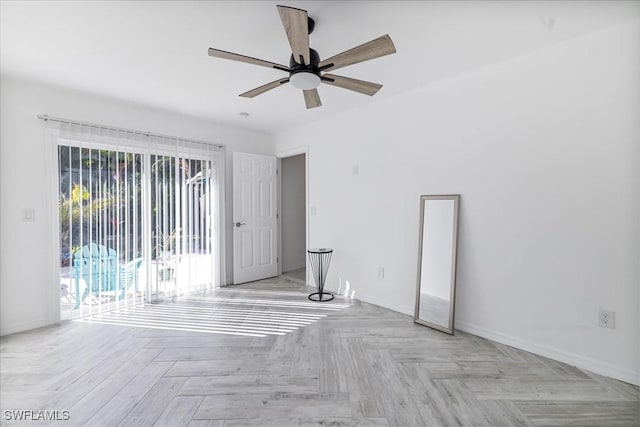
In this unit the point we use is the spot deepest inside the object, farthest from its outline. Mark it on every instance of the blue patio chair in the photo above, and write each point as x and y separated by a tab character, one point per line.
128	277
98	266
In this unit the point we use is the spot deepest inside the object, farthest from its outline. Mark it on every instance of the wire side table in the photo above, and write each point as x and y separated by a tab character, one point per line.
320	259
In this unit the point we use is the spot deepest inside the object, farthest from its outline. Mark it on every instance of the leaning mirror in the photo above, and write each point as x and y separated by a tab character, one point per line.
435	295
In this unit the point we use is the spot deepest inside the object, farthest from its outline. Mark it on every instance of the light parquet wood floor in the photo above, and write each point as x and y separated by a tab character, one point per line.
261	354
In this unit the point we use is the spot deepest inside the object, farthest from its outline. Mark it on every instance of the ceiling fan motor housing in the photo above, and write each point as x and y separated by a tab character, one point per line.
312	67
305	76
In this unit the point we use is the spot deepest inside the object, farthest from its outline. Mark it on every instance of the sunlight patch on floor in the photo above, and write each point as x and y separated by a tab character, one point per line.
252	317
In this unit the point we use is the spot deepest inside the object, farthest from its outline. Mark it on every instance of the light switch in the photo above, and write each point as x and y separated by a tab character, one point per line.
312	210
28	215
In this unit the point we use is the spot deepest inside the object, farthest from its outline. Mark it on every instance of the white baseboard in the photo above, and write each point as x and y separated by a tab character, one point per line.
24	326
384	303
391	305
301	266
570	358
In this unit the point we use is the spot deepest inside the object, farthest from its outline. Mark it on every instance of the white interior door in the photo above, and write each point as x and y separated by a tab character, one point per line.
255	221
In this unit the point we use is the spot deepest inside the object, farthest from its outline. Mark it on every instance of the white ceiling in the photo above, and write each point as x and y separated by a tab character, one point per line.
155	53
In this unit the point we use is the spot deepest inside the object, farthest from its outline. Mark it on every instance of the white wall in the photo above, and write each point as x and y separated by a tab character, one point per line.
294	226
545	151
26	251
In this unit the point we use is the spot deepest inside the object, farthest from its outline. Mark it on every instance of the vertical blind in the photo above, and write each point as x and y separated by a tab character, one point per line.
139	216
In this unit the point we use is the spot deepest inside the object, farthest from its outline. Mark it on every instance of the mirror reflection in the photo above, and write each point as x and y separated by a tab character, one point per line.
435	296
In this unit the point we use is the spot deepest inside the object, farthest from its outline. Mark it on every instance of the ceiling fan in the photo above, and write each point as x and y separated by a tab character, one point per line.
305	67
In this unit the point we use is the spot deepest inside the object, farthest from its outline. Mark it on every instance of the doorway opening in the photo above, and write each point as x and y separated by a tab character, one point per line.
293	196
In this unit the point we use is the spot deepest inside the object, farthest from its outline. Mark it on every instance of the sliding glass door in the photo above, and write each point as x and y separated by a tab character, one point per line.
136	225
181	225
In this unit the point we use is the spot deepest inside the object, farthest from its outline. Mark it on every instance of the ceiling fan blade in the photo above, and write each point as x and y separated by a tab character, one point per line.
374	49
296	25
356	85
312	98
217	53
264	88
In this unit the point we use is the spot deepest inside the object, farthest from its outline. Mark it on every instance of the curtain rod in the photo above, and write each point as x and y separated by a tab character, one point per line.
47	118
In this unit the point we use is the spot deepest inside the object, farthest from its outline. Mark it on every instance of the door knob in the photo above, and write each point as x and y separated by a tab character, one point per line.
239	224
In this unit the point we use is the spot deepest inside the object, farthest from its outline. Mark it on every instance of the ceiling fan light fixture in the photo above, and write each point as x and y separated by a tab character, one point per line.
305	80
305	67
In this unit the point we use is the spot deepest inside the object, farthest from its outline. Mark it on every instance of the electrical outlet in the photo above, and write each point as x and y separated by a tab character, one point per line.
607	319
28	215
381	272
